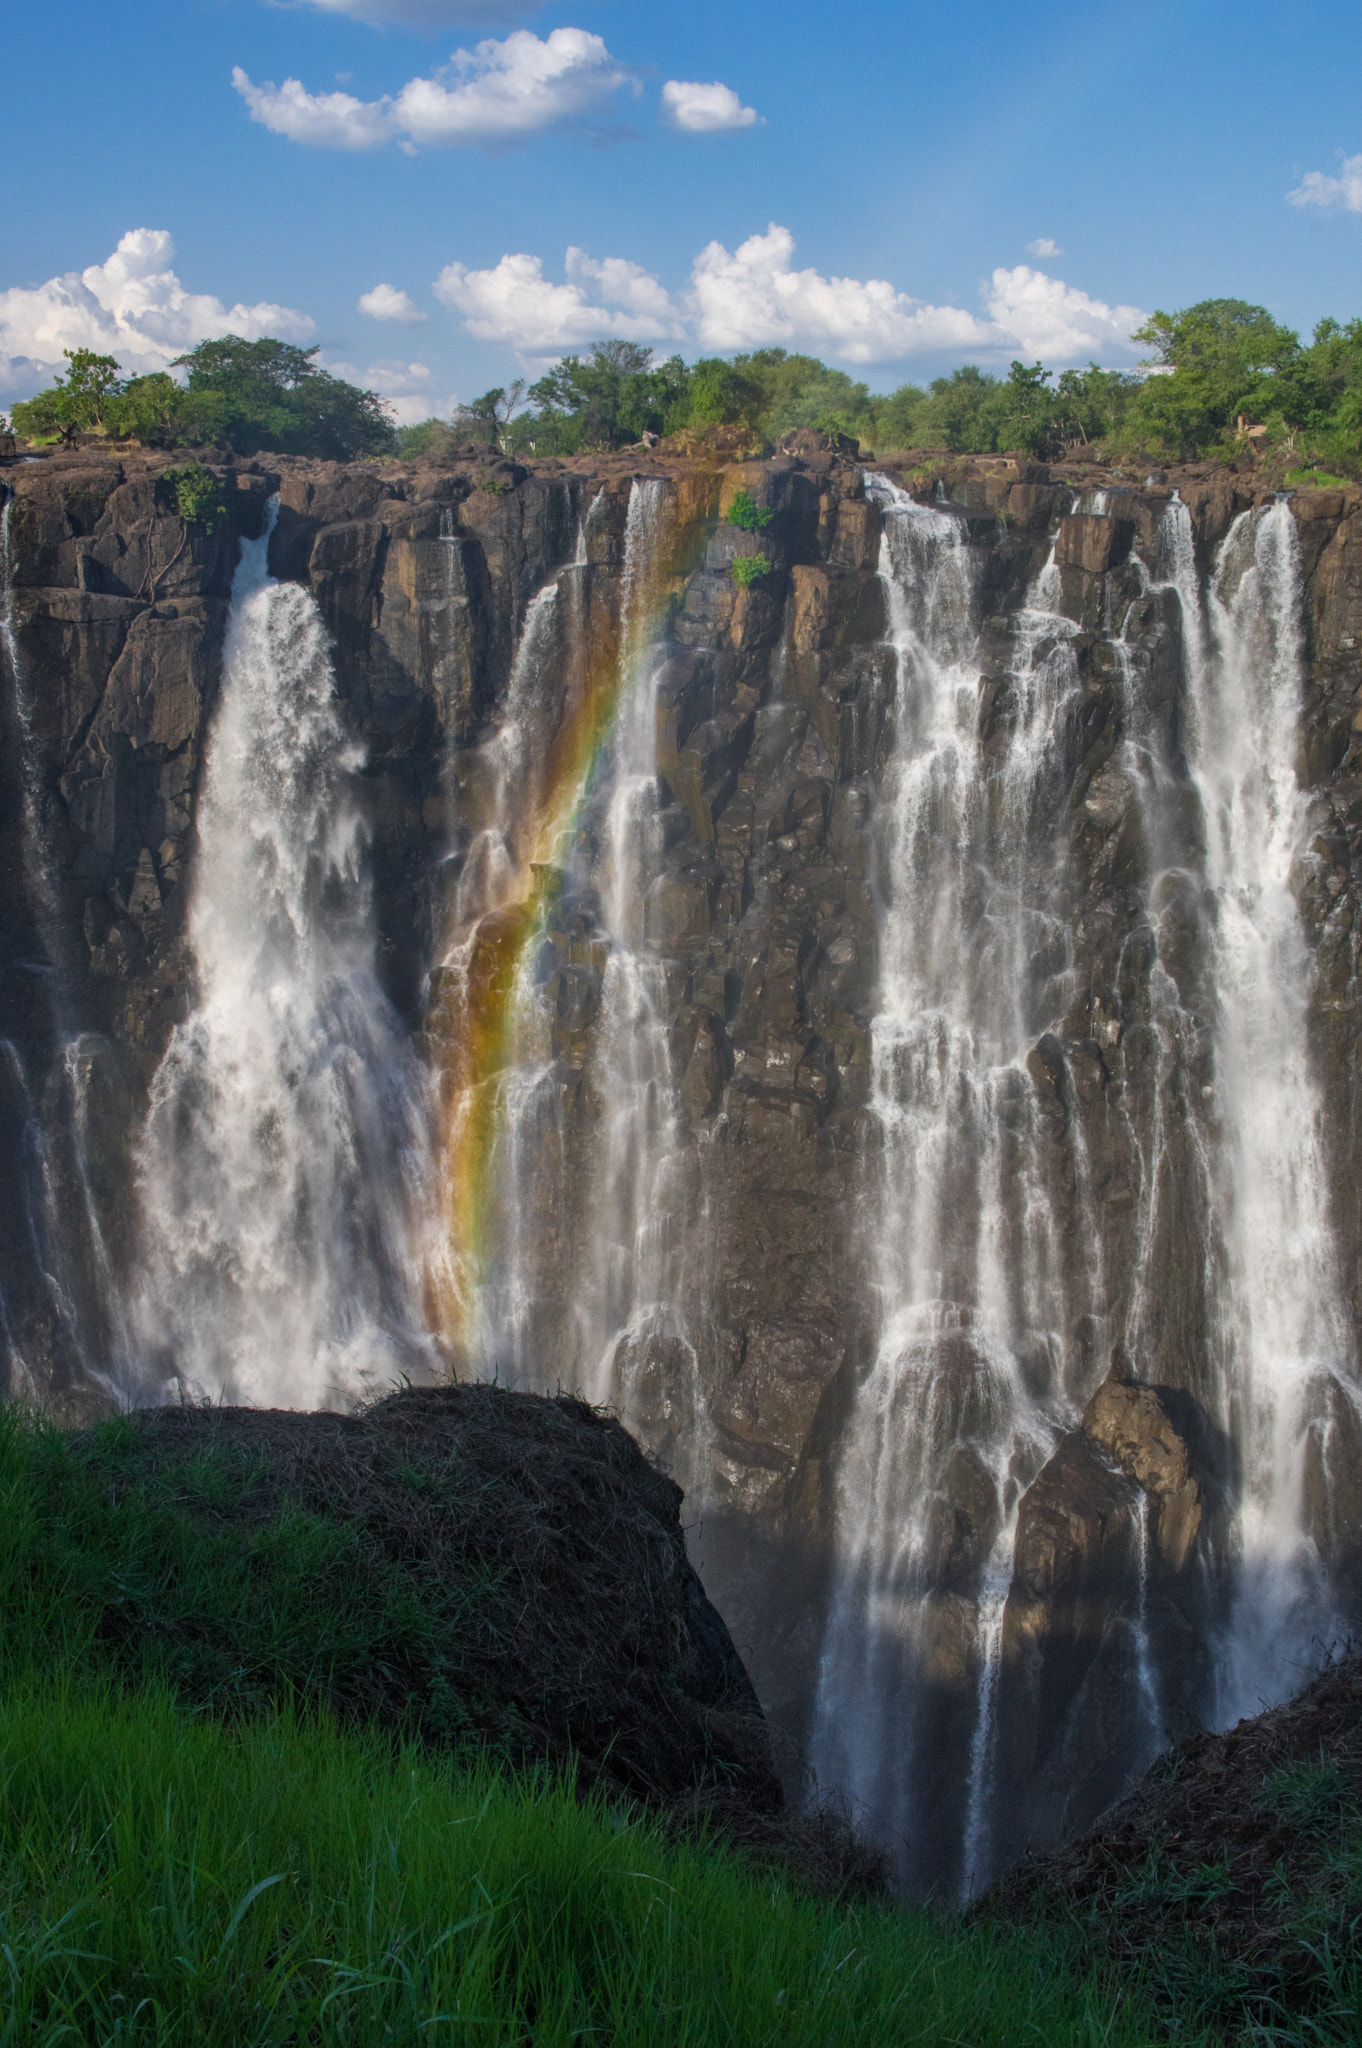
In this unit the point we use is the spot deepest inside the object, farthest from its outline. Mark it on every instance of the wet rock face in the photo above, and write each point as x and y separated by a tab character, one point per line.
776	718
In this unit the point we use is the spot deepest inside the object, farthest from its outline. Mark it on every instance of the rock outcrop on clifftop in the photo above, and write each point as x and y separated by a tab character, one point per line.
776	720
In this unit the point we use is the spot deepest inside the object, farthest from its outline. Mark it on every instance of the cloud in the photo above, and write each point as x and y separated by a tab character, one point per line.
1043	246
327	120
493	96
428	14
705	109
1055	321
133	306
1344	191
386	302
406	386
753	298
515	303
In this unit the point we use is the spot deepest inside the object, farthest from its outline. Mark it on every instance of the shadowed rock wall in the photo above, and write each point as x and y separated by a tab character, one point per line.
778	708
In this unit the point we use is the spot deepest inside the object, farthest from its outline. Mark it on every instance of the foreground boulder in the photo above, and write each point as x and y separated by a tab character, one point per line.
528	1565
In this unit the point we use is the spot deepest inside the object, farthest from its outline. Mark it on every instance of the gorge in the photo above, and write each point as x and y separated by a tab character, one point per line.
888	1028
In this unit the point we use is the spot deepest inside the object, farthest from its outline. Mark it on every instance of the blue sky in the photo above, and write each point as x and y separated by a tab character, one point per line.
911	156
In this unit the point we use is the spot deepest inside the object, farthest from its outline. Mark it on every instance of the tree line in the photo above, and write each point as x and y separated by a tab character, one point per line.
1214	372
247	396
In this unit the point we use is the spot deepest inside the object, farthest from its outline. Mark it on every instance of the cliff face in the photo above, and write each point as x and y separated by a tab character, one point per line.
760	916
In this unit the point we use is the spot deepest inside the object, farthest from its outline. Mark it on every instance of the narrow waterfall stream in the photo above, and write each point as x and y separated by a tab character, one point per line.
629	1312
1288	1345
59	1300
285	1158
576	1213
974	1297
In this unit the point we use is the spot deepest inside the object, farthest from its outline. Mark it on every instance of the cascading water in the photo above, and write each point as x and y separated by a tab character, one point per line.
285	1151
583	1206
629	1308
1288	1350
954	1418
58	1304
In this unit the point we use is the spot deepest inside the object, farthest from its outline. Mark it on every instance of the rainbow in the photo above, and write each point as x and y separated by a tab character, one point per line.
476	993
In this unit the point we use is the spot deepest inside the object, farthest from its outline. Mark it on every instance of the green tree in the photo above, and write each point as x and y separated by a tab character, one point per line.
76	403
272	395
607	399
1210	363
489	418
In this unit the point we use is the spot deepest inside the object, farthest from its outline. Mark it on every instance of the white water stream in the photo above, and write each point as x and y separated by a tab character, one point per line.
285	1158
1287	1340
974	1298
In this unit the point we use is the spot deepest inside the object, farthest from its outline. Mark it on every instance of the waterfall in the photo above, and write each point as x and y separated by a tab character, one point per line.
578	1201
1286	1336
59	1326
957	1413
629	1305
285	1147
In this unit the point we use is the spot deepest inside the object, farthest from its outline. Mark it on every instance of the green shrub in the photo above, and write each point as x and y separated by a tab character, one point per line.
746	514
197	494
748	569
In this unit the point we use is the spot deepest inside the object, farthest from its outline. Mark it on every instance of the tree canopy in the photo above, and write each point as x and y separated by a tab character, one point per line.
247	396
1213	369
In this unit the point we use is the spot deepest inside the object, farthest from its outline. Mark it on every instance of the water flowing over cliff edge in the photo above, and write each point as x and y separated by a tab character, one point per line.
890	1030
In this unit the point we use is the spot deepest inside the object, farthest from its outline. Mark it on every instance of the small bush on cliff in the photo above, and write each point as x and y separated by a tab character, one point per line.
197	494
749	569
746	514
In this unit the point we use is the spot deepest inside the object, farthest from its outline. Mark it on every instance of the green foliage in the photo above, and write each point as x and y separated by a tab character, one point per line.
245	395
162	1884
746	514
489	418
76	403
169	1877
431	438
197	493
610	398
748	569
272	395
120	1565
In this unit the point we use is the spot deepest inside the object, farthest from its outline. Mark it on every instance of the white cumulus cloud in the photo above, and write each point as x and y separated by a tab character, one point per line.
494	95
132	306
515	303
705	109
1043	246
1055	321
753	297
408	388
386	302
428	14
1343	191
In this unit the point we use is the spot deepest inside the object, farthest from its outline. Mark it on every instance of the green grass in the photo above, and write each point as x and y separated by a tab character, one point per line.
107	1559
164	1881
185	1859
1316	480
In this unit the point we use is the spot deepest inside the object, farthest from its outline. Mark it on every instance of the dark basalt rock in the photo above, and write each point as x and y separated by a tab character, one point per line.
776	721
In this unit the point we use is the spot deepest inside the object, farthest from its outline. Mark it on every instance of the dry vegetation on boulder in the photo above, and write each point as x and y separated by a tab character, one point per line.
1232	1874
